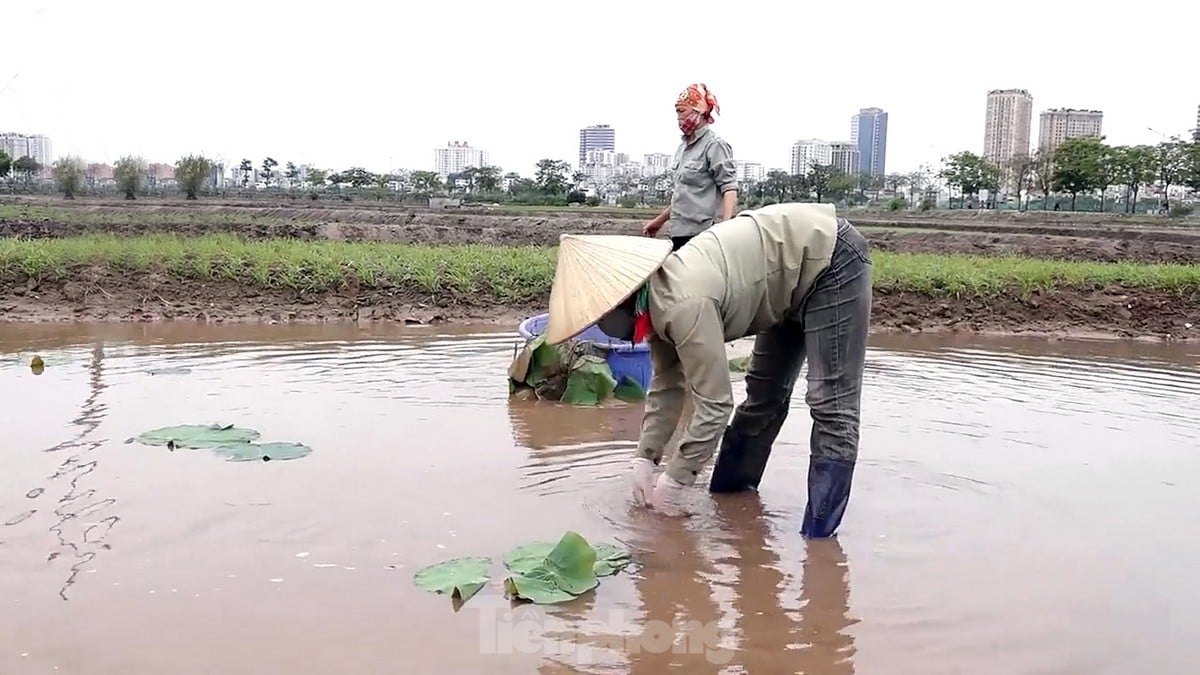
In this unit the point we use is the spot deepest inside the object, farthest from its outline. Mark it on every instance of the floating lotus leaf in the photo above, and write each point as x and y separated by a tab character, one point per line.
459	577
566	571
275	451
198	436
610	559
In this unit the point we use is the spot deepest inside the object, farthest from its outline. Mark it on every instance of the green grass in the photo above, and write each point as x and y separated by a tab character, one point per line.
510	274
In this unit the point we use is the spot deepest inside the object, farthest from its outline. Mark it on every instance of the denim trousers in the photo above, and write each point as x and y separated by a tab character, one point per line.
828	329
677	242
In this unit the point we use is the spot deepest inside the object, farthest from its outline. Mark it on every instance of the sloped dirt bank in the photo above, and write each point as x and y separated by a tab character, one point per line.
1054	238
99	294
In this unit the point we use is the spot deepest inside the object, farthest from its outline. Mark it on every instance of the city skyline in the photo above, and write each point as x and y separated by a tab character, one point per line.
1008	132
528	98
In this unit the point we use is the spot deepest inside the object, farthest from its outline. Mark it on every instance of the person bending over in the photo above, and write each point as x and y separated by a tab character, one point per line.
795	276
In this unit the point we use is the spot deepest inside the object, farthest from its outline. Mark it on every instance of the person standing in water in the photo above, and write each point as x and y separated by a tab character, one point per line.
796	278
703	172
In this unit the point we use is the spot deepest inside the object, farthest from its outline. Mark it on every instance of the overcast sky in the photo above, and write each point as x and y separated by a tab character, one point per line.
381	84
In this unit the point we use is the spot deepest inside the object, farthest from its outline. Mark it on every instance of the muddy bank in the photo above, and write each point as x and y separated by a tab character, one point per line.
432	228
405	228
1100	249
98	294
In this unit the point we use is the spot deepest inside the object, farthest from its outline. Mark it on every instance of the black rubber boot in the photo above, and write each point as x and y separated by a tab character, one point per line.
828	494
741	461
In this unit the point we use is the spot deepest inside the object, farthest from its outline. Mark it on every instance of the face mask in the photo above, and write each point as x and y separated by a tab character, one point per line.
689	124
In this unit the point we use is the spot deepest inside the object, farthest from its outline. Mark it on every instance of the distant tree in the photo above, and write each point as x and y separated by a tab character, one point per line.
246	168
268	170
5	163
868	183
129	173
843	185
1105	170
1170	165
1042	178
1019	176
357	177
425	181
1191	164
26	166
191	173
970	173
918	182
316	177
1077	166
821	179
552	176
292	174
68	173
488	178
1132	167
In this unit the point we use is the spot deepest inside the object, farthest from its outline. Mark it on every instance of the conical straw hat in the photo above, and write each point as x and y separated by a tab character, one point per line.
594	274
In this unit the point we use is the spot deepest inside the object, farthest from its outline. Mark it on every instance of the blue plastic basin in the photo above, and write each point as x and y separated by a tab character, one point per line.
624	358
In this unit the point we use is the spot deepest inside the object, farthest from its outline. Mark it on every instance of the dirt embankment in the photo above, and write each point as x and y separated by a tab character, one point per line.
101	295
98	294
416	226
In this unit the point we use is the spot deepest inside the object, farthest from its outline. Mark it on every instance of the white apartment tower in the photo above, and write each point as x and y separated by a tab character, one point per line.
846	157
1007	125
750	172
36	146
456	157
657	163
810	152
1060	124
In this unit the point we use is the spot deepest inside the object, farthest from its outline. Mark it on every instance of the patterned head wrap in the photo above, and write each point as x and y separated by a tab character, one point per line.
699	98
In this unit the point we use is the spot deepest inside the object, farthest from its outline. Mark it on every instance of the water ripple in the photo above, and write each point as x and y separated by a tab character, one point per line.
968	456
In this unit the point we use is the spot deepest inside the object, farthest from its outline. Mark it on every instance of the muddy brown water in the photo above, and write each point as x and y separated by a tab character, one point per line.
1020	507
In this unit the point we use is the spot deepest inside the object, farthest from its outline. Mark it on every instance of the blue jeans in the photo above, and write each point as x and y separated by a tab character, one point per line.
828	329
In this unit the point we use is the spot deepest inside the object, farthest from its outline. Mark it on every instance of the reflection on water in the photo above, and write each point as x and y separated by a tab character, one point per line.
82	516
1020	506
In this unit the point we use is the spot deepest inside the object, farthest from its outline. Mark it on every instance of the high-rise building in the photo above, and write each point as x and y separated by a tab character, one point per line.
456	157
808	153
36	146
868	131
1006	125
1059	124
600	165
596	137
846	156
657	163
750	172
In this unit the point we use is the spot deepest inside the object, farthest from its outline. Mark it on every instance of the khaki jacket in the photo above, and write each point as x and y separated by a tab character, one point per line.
735	279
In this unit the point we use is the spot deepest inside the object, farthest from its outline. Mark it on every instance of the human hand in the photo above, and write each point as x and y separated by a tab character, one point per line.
641	477
667	497
651	228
